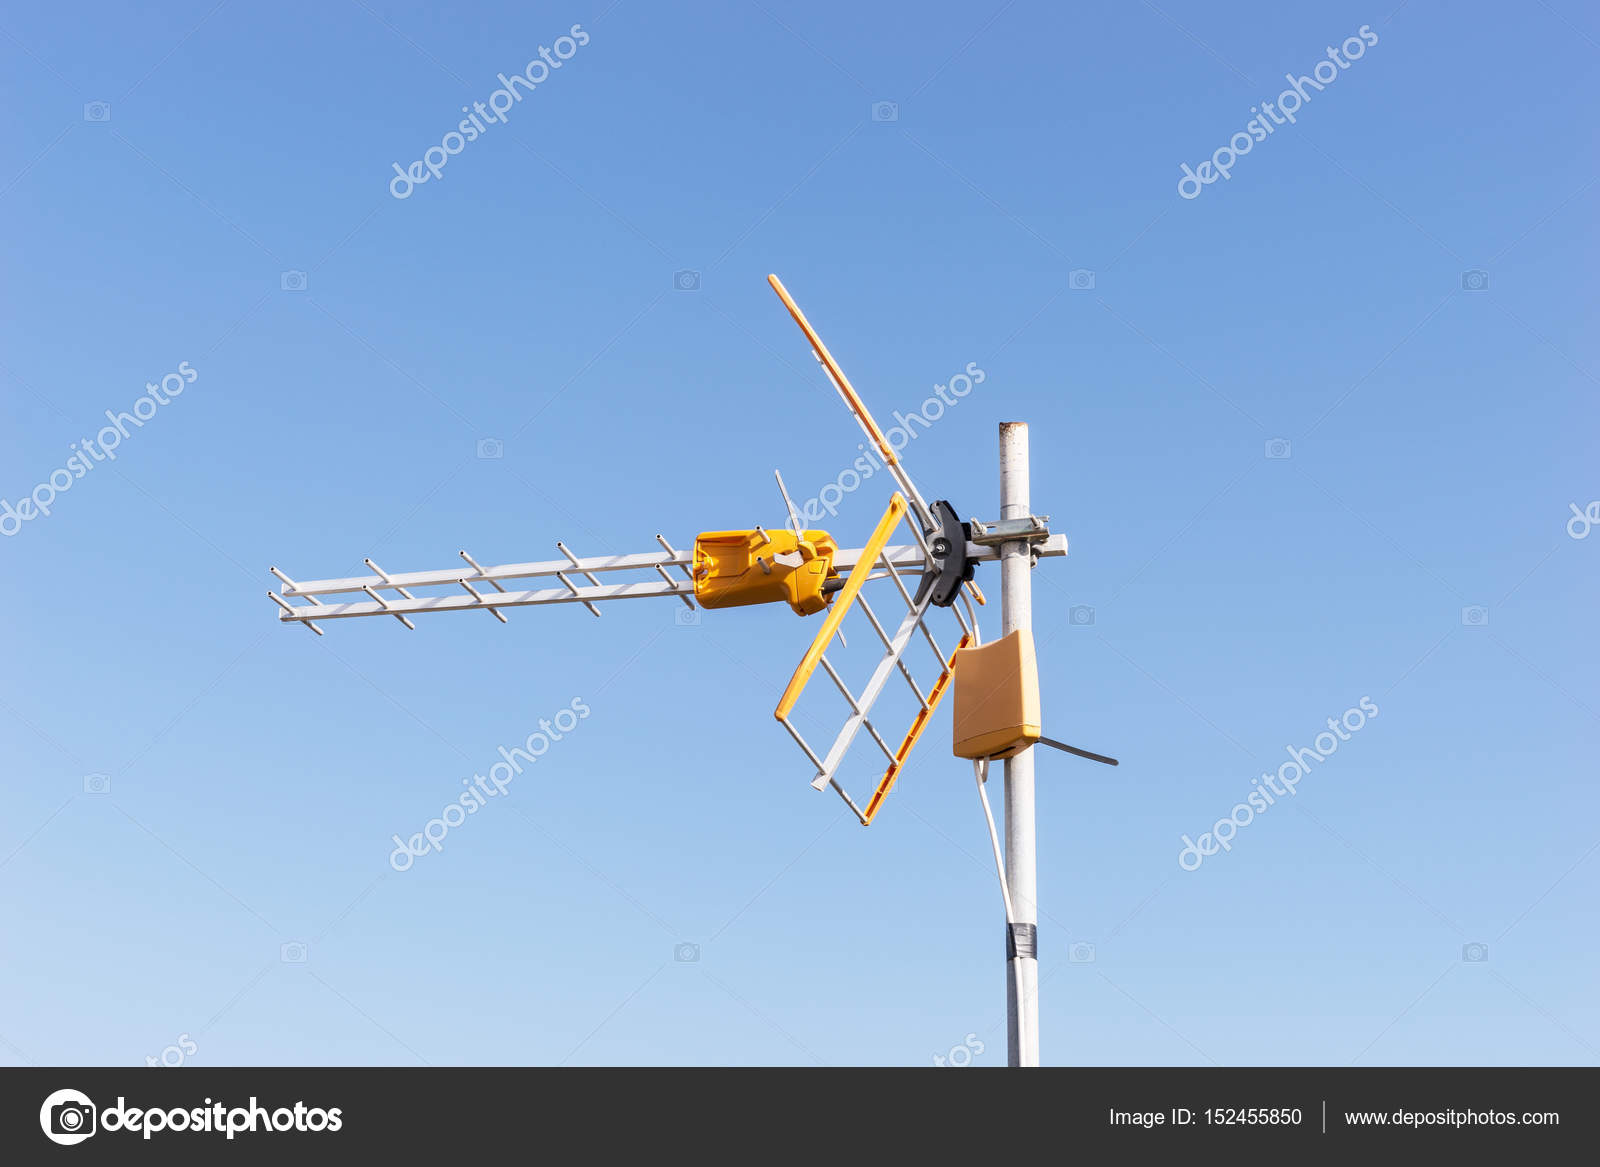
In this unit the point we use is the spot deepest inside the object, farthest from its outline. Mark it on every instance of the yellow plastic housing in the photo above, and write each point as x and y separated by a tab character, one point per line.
735	568
996	702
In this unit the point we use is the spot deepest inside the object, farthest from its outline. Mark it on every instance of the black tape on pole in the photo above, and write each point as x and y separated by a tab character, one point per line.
1022	940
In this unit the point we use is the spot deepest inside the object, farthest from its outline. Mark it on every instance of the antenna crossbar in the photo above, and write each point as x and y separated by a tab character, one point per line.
391	593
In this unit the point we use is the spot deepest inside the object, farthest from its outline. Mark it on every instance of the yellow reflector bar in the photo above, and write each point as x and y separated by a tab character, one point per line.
841	604
912	734
836	374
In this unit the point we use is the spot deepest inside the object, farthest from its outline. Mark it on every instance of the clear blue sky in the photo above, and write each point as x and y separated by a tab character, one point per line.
1437	431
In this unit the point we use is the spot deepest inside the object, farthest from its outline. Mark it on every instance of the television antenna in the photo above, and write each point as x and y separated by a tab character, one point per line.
996	685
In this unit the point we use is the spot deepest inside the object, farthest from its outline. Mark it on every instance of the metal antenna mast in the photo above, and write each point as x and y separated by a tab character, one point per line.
1016	614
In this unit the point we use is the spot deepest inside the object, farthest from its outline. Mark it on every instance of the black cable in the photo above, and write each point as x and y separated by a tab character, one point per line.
1045	741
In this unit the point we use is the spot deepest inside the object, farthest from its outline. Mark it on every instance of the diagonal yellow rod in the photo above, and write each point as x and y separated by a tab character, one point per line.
841	604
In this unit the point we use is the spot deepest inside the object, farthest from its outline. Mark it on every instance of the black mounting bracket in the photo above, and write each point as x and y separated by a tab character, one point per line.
949	545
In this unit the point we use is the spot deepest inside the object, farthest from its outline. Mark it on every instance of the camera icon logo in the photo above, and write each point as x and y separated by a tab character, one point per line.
292	952
97	111
686	280
1080	615
491	448
67	1117
1081	953
1475	280
1278	448
292	281
686	617
97	783
1475	616
1476	953
1081	279
886	111
686	953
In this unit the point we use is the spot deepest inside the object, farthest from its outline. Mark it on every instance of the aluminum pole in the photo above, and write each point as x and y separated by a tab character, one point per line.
1016	611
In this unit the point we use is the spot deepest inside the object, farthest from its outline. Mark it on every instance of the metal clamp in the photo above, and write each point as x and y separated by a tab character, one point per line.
1034	528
